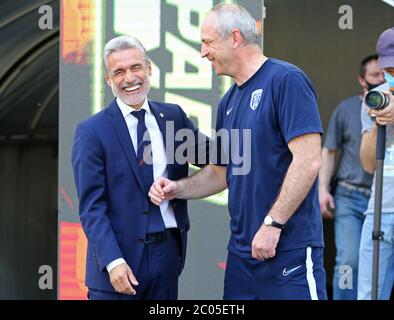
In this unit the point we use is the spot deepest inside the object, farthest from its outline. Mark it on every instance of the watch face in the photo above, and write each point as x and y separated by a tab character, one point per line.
267	220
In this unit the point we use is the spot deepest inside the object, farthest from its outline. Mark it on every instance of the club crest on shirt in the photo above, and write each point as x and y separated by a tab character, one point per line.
255	98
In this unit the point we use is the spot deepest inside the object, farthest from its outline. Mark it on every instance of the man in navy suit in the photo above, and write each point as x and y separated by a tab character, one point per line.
136	250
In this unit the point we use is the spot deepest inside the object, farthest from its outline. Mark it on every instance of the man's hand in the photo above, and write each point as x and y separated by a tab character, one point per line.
386	116
327	204
122	279
162	189
264	242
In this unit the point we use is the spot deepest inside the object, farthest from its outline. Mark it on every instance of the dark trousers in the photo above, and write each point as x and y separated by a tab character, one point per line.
157	277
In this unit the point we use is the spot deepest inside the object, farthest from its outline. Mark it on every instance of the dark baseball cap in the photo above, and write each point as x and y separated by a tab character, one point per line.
385	49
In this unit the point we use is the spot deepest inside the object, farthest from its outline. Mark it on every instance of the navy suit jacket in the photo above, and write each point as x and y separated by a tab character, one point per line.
113	203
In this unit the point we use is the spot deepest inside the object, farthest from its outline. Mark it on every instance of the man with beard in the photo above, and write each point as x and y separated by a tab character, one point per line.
136	250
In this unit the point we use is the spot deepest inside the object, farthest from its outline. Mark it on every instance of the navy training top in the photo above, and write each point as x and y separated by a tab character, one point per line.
277	104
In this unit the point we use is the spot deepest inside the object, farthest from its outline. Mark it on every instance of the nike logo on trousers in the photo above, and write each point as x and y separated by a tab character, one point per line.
287	272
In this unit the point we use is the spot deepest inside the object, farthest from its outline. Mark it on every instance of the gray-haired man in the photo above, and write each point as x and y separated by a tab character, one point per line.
136	250
276	244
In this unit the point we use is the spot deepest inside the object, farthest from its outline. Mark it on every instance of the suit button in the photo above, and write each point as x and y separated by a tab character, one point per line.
146	212
141	240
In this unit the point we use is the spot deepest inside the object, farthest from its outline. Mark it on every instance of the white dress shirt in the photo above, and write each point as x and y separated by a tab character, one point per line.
159	159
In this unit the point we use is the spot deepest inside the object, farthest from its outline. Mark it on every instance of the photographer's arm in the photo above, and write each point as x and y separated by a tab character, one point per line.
368	149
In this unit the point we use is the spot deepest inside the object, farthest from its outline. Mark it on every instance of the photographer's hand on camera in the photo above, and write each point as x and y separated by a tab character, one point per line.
384	116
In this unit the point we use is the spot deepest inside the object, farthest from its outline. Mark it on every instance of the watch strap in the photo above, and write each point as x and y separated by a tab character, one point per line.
277	224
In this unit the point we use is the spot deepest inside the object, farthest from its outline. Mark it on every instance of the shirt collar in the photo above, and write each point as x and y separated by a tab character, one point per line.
126	110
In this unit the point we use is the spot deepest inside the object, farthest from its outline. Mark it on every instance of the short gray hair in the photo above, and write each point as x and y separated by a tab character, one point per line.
121	43
233	16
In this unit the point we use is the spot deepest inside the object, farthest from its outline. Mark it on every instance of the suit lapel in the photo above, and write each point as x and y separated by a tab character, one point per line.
160	119
119	124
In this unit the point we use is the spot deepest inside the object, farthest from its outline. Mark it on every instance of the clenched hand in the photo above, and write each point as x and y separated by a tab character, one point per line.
162	189
265	242
123	280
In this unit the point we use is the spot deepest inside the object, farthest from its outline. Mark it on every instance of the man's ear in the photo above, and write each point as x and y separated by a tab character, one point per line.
107	79
150	68
237	38
362	82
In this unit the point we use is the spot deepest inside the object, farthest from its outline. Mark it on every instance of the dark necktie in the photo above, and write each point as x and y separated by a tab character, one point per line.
144	159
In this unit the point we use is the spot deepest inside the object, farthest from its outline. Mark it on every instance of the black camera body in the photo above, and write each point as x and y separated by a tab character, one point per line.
377	100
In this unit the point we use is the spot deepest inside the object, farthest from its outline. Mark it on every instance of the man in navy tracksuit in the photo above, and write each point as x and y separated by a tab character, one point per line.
276	245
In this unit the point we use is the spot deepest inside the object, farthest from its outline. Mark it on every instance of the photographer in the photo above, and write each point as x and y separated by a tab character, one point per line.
384	116
348	202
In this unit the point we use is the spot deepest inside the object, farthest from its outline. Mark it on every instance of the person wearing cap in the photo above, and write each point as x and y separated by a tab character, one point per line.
385	50
347	202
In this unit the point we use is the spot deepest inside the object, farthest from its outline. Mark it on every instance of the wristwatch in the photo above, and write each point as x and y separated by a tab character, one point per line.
268	221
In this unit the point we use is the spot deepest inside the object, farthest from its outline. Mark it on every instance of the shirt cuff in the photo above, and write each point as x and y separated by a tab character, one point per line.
114	264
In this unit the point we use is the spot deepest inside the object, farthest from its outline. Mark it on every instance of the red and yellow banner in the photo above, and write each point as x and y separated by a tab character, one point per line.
73	245
77	30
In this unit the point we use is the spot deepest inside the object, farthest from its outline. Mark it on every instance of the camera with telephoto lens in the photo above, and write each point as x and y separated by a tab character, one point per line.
377	100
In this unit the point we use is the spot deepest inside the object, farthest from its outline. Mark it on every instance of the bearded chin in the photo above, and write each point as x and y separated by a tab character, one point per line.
143	95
